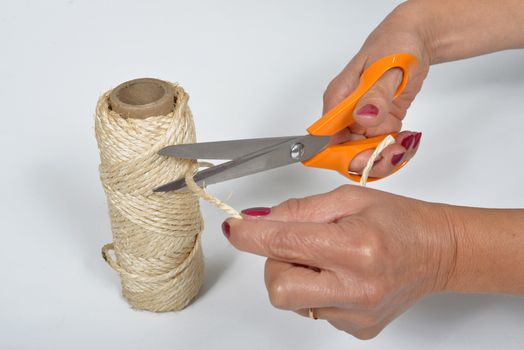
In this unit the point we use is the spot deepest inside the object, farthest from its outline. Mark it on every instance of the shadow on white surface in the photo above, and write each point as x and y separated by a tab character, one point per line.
215	266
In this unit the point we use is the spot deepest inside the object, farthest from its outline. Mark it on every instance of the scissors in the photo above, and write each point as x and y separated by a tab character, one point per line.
251	156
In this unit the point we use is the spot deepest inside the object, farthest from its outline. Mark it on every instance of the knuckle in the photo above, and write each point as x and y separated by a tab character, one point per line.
279	291
357	319
357	227
365	321
366	247
385	88
381	89
270	272
392	79
365	334
341	326
370	252
292	206
377	94
344	189
395	77
327	92
331	90
283	245
350	193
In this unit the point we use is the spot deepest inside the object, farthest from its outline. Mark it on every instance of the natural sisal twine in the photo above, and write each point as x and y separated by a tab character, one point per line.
388	140
156	236
193	187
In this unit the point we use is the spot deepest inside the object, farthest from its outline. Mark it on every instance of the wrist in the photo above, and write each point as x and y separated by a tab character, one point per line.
488	250
453	30
415	19
441	234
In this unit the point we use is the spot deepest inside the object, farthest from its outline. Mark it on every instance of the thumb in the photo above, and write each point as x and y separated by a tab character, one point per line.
321	208
373	108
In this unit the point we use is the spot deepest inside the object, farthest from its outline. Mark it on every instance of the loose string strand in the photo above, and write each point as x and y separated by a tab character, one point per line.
199	191
389	140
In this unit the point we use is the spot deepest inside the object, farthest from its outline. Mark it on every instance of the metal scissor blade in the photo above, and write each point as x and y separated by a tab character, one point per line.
262	160
221	149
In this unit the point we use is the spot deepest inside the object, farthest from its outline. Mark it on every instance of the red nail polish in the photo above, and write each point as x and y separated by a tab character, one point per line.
257	211
397	158
369	110
226	229
418	136
408	141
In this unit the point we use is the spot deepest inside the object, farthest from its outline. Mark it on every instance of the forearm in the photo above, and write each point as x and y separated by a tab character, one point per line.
489	250
457	29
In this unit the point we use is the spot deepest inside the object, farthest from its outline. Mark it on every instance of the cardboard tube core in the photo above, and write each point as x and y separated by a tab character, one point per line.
142	98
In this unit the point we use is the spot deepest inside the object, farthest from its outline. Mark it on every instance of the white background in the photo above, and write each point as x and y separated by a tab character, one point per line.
253	69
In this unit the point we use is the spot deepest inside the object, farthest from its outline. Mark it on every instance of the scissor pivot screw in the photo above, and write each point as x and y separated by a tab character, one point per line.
297	151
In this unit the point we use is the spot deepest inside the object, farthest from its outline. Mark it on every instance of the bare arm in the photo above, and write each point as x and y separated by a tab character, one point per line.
361	257
490	250
457	29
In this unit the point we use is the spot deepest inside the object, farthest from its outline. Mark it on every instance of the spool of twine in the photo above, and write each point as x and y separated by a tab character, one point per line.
156	236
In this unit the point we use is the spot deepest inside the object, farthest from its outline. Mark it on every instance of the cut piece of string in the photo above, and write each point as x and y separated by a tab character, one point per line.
371	161
199	191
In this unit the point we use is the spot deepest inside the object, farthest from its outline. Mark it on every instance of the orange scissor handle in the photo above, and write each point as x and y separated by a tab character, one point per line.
338	157
341	116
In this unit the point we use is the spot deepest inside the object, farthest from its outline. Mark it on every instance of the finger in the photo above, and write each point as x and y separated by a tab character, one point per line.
344	83
411	145
402	150
362	325
292	287
343	136
301	243
392	158
357	318
357	332
373	108
324	313
320	208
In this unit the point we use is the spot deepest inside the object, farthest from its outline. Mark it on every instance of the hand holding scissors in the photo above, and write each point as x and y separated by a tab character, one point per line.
251	156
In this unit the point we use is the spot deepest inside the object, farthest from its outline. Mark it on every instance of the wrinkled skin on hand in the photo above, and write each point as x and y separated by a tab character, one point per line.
358	256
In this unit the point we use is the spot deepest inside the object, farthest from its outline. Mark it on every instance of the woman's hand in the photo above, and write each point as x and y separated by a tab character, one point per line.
359	257
377	113
435	32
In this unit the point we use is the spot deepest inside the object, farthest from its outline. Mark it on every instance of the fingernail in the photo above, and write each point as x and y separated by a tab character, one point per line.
369	110
397	158
226	228
406	143
257	211
418	136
